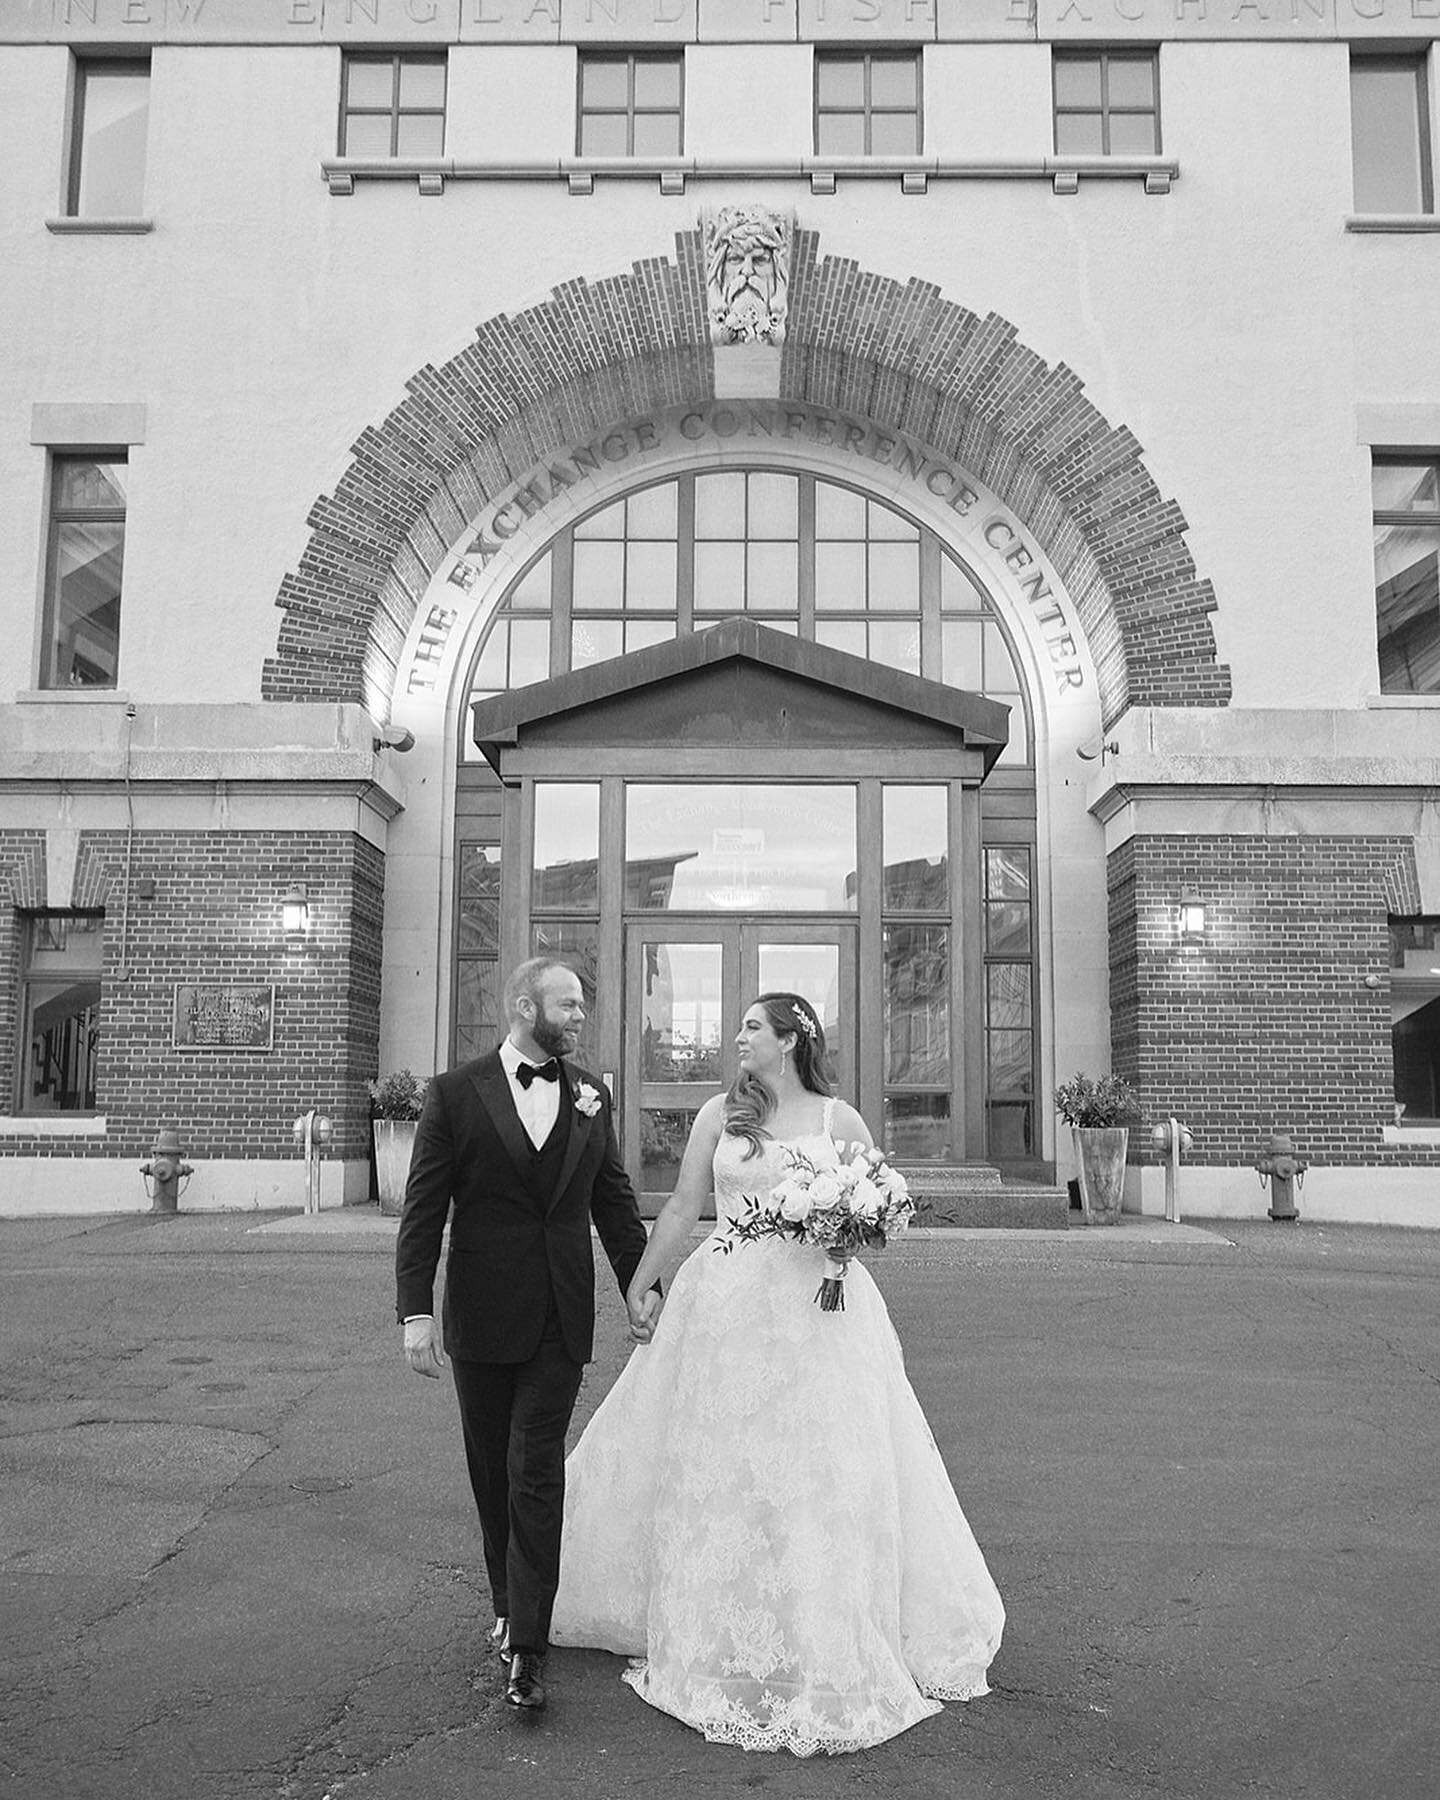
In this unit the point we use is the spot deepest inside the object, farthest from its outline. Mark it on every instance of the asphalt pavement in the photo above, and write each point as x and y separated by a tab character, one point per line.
238	1559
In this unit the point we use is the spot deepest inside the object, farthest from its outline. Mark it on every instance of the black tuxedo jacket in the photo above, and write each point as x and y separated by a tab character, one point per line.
511	1247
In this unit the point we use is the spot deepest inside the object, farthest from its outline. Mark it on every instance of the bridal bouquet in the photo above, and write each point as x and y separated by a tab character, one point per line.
859	1204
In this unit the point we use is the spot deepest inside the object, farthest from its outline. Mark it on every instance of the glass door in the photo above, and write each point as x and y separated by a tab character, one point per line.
686	983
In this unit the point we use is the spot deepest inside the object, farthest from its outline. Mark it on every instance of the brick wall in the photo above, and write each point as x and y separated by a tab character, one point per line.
1267	1023
215	918
897	353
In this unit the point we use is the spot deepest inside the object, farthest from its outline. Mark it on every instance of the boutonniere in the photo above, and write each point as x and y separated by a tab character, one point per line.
587	1101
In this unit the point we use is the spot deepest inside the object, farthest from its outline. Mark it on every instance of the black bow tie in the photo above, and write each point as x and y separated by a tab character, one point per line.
528	1072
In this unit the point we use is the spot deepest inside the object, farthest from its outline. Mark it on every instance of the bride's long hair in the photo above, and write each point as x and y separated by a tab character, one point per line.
750	1101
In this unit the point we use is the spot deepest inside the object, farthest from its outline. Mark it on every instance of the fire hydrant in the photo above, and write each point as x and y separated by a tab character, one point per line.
1285	1170
166	1170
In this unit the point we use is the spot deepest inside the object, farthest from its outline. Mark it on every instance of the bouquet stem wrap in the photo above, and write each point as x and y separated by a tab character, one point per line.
830	1296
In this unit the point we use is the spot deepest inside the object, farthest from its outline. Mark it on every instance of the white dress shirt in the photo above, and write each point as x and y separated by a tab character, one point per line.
537	1104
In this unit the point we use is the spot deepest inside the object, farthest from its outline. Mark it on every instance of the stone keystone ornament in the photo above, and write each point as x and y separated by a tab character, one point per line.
747	274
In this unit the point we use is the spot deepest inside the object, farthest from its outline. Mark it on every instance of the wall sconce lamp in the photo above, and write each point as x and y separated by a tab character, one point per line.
1192	916
295	910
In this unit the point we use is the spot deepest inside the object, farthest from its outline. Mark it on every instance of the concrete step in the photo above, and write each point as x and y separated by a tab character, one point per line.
973	1195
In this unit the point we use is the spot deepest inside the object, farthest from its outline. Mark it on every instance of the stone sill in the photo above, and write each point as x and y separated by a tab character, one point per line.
1392	222
69	226
55	1125
1411	1135
914	173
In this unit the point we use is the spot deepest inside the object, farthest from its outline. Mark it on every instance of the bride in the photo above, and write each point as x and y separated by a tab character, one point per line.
757	1512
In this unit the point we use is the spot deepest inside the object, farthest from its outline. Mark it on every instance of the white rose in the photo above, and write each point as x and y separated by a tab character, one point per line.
824	1190
867	1200
796	1205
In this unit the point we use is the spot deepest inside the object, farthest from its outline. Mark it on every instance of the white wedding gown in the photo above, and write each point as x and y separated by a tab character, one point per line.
758	1509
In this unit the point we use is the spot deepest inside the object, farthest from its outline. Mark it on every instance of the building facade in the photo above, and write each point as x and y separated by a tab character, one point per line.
934	503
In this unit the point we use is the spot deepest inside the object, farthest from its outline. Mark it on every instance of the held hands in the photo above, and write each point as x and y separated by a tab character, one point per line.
644	1310
422	1347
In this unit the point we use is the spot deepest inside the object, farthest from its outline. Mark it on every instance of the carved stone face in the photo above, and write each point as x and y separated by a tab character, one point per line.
747	269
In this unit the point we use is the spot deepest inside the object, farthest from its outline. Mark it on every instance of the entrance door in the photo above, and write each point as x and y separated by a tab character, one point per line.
687	983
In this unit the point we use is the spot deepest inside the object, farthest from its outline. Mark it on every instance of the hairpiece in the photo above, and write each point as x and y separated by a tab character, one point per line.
806	1023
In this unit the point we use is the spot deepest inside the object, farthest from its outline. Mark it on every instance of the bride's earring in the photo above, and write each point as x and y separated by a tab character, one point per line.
784	1058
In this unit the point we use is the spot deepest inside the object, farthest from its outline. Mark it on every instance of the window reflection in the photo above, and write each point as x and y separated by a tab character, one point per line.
917	1004
740	848
680	1013
567	845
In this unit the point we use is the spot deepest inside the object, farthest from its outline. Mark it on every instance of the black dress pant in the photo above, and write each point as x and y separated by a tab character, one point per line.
514	1417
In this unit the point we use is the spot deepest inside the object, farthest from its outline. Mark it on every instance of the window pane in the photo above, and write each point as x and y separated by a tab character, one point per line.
840	134
917	1126
960	648
774	506
61	1024
917	1003
681	1025
422	134
1009	1054
651	513
1132	81
532	591
650	577
369	83
894	134
720	506
529	651
1007	996
641	633
894	577
741	847
774	576
1009	1131
478	925
609	522
839	513
477	1007
1133	134
885	522
1079	134
567	844
893	81
842	634
719	577
664	1133
896	643
1007	872
115	110
366	135
958	592
1000	673
916	849
840	81
493	669
605	81
90	486
1406	487
1385	135
657	81
1007	927
657	134
596	640
1407	607
599	575
839	577
1077	81
604	134
422	84
84	643
1415	1018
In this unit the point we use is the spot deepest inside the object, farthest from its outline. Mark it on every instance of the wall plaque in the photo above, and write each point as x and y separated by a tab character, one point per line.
224	1018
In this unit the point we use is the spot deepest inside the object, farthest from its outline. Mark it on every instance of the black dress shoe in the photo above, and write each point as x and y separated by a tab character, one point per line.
525	1687
500	1637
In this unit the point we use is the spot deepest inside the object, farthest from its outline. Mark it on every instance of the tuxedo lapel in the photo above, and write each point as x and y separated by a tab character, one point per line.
579	1127
493	1086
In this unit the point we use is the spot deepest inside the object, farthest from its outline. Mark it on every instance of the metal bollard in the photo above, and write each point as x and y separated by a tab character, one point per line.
312	1131
1170	1140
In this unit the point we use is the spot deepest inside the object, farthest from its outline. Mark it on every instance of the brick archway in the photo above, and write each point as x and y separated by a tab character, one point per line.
898	354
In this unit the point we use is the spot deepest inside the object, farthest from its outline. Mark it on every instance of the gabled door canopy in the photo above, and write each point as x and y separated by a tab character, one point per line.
739	682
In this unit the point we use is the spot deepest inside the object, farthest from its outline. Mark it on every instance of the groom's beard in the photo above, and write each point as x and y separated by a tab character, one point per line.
554	1040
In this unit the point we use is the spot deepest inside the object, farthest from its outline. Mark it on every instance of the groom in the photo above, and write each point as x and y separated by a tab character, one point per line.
521	1142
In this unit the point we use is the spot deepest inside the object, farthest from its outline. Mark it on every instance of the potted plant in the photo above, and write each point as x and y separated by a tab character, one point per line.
1099	1114
395	1103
